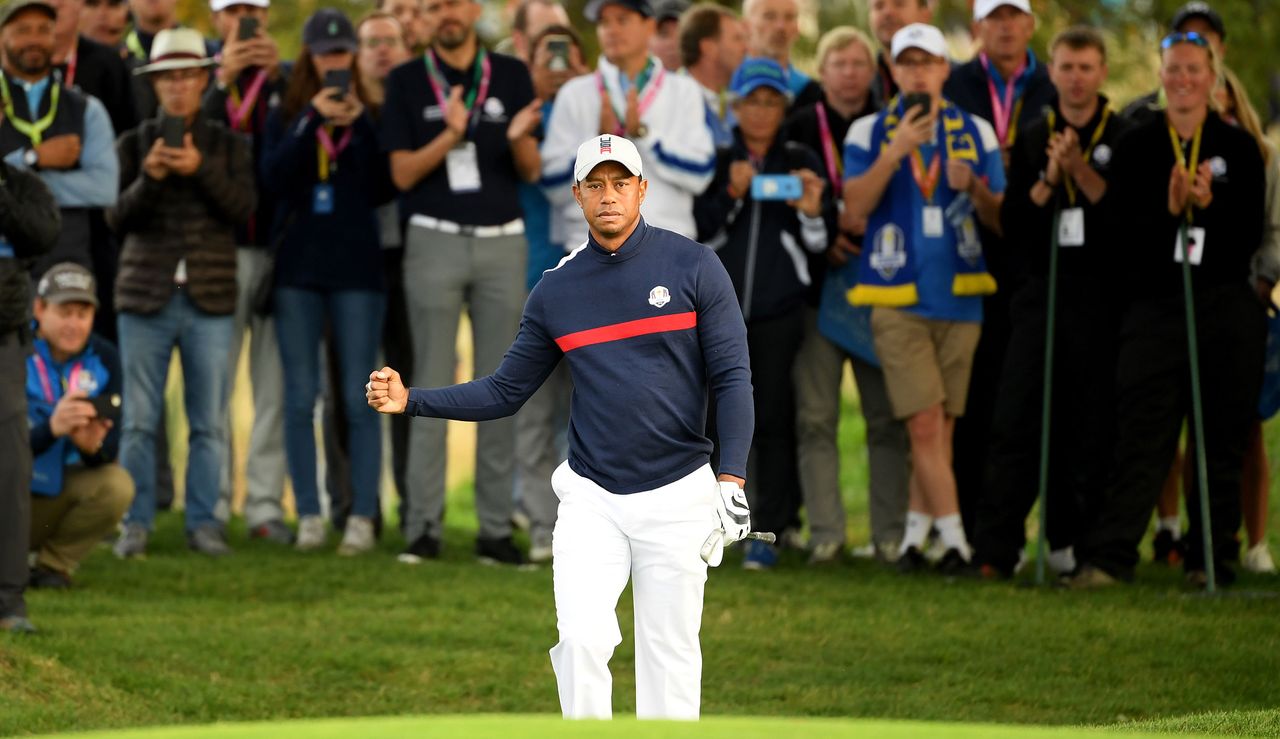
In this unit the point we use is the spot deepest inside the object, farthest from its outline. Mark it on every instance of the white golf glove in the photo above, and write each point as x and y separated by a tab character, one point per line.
735	516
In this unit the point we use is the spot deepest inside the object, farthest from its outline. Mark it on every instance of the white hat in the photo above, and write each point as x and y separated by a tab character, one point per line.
921	36
606	148
217	5
984	8
176	48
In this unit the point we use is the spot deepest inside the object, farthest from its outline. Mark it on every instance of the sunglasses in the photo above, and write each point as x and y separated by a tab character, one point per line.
1190	37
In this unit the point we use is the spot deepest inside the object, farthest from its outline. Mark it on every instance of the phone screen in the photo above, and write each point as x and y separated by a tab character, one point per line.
172	130
558	48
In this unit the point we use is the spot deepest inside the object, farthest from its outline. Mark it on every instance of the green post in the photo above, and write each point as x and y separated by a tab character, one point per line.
1046	404
1197	410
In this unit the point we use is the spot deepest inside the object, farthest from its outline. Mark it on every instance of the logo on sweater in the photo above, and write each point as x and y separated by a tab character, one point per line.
889	251
494	108
1102	154
659	296
1218	166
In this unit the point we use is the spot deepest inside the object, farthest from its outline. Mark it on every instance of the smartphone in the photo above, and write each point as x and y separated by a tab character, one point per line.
558	48
248	28
917	99
172	130
107	406
776	187
339	78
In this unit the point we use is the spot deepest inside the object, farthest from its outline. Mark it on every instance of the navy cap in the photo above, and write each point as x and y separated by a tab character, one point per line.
1199	9
327	31
592	12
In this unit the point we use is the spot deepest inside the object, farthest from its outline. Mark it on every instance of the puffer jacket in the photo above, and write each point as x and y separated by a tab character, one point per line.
29	226
192	218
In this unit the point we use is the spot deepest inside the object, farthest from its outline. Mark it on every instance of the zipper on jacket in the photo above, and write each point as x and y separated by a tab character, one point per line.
749	277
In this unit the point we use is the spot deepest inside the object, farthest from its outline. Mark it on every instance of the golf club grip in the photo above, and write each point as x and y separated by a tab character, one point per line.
767	537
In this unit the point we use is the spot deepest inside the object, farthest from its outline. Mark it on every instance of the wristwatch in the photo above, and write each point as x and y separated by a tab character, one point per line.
31	158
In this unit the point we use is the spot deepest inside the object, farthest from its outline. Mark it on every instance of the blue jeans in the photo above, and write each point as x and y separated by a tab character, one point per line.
355	318
146	346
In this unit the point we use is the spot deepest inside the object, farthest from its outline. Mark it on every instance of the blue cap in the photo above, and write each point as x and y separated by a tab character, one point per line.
756	72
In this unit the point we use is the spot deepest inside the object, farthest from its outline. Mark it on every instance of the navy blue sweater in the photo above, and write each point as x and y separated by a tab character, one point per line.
335	251
647	330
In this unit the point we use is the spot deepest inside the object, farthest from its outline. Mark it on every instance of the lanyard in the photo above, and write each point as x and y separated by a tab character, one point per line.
134	44
651	86
328	151
238	110
1093	143
46	385
34	131
1006	112
1191	164
70	78
928	183
479	84
835	167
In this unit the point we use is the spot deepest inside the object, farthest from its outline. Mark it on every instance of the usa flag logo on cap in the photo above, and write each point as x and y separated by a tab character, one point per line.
606	144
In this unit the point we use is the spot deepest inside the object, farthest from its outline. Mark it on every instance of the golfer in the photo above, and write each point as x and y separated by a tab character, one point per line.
648	321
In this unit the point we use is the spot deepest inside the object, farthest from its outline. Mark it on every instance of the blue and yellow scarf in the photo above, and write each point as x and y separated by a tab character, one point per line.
888	272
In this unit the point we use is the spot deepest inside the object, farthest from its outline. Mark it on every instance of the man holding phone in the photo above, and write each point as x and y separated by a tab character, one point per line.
250	81
924	173
78	491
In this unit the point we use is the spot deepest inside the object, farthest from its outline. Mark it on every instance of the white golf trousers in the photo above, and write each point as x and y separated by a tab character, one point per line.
653	537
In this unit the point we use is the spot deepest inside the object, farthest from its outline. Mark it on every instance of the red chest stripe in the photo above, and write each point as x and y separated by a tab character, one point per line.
628	329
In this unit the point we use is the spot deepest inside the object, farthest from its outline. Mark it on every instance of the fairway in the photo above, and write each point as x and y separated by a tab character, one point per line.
550	727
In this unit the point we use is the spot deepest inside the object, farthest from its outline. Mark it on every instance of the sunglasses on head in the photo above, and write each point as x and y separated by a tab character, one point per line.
1190	37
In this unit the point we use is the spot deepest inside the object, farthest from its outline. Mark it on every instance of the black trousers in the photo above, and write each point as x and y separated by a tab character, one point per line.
1082	419
15	475
774	481
1153	396
973	430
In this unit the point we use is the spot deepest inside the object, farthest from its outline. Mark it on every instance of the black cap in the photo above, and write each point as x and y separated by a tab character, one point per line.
17	6
1199	9
592	12
328	30
669	10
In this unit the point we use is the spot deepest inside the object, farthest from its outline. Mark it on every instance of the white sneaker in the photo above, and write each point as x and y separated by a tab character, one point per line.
1062	561
1258	560
540	554
358	538
827	552
311	533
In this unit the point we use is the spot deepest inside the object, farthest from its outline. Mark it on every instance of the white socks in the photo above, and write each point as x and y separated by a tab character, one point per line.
1172	524
1063	560
952	532
916	532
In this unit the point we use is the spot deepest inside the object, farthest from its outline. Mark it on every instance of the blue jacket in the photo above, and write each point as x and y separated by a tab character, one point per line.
97	371
647	330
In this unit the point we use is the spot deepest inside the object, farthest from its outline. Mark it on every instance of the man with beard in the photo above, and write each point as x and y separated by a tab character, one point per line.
459	146
59	131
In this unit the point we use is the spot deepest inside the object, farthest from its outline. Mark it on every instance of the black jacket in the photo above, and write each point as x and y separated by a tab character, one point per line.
1028	228
1147	233
101	72
29	224
761	243
192	218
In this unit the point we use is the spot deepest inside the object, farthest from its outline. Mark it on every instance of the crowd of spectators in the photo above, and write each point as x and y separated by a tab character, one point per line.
984	243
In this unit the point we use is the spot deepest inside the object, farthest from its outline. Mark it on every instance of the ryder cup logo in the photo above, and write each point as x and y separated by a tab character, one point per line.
1102	155
659	296
888	252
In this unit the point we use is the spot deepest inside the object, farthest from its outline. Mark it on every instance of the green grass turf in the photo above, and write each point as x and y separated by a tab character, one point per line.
271	634
539	727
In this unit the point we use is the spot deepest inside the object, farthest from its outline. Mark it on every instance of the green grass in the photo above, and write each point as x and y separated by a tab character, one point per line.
271	634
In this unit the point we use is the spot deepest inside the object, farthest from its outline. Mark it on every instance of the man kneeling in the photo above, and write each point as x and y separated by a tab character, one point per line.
78	492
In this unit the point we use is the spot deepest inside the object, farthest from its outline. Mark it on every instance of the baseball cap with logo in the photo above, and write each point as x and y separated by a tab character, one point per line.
68	282
606	148
219	5
984	8
756	72
921	36
592	11
1198	9
328	30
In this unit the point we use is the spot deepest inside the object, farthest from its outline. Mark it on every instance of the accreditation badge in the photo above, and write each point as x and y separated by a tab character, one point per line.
1071	227
931	222
322	199
462	165
1195	249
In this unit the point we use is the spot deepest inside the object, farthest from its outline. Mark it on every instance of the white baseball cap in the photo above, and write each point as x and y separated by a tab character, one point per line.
984	8
218	5
921	36
606	148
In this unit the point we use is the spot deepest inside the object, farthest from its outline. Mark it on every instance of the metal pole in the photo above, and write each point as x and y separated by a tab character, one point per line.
1197	411
1046	404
